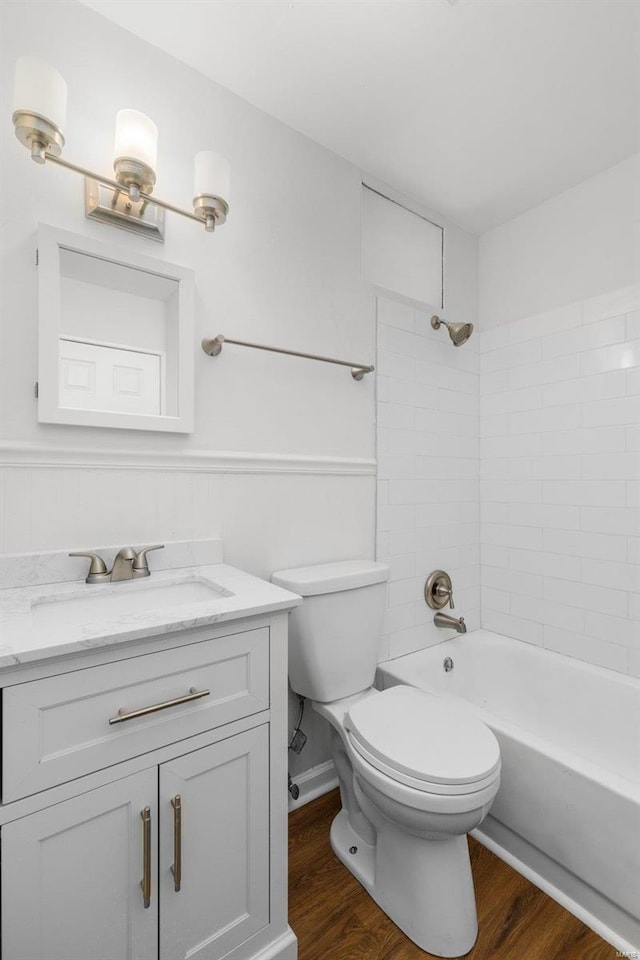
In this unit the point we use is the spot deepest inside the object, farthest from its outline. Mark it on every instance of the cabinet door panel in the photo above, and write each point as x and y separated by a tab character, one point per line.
71	877
224	895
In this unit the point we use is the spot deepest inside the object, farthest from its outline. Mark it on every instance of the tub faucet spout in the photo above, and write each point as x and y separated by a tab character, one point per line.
444	620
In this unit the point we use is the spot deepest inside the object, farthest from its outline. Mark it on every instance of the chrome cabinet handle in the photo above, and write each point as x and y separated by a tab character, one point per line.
176	869
145	883
154	708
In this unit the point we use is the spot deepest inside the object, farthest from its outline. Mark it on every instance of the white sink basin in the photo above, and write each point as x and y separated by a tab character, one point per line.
110	602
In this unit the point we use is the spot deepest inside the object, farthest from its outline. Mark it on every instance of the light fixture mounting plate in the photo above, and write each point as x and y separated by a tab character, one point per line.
102	204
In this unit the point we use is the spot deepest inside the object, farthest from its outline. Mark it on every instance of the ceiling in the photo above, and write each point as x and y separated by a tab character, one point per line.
478	109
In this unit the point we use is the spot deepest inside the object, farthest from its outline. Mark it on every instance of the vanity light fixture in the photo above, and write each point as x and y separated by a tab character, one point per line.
40	104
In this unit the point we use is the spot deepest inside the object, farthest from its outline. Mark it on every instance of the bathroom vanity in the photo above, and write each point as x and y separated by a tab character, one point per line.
143	810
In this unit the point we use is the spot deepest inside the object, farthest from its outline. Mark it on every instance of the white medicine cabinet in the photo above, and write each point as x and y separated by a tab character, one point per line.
116	336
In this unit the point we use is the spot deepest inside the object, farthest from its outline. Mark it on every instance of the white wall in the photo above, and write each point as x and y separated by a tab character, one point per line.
582	243
560	458
283	270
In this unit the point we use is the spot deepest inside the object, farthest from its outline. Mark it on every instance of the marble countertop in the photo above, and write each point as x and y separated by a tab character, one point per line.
34	624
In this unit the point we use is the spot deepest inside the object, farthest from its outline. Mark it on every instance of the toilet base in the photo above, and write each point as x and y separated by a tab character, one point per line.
425	886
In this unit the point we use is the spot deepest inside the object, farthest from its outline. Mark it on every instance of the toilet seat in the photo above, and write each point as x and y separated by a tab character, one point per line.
428	743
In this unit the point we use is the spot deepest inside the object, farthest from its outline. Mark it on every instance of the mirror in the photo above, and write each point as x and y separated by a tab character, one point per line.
116	336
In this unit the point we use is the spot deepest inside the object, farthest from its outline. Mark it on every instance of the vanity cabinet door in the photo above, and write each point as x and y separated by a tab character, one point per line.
71	877
214	810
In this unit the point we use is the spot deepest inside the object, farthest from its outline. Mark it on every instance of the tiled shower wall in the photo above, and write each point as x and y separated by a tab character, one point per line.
428	486
560	472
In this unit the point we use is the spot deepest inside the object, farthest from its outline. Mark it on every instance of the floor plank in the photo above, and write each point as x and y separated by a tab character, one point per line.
335	919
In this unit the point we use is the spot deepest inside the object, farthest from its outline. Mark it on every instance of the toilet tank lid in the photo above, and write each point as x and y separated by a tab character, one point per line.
331	577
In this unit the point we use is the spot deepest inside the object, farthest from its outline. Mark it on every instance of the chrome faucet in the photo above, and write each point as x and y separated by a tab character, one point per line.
444	620
128	565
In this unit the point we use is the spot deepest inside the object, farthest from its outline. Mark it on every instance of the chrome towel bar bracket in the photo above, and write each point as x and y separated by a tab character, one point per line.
213	347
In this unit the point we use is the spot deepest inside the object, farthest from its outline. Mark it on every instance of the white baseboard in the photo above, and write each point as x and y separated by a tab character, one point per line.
314	783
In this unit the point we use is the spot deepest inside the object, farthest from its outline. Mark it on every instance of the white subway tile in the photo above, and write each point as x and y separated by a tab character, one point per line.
413	394
495	599
523	445
382	389
543	324
556	467
398	618
585	492
592	440
395	416
511	401
457	490
507	357
511	491
588	337
403	442
633	381
546	371
457	402
508	535
404	541
619	356
413	491
610	655
394	517
546	420
584	597
496	382
495	556
493	339
576	543
633	325
406	641
392	467
611	466
392	365
633	549
612	628
545	515
632	435
382	489
494	512
549	564
494	425
602	386
513	581
611	304
526	630
625	410
402	592
611	520
616	576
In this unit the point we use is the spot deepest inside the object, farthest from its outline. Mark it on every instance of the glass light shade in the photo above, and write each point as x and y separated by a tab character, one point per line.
211	175
136	137
40	89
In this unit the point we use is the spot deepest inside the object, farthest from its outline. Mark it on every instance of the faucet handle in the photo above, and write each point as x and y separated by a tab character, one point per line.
140	565
97	563
438	590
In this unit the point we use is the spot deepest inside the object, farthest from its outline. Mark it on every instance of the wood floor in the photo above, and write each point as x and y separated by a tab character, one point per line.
335	919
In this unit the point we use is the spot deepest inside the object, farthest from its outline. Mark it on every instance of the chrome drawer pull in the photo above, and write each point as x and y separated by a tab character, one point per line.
145	711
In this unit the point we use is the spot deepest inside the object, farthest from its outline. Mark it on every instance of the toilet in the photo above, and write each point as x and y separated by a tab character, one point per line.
417	771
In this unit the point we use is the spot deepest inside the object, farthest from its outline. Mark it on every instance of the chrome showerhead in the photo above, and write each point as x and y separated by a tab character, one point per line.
459	332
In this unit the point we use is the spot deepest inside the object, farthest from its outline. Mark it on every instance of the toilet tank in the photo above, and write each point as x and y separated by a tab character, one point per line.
334	636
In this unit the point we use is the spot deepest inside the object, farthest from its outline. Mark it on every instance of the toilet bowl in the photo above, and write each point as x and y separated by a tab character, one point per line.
417	771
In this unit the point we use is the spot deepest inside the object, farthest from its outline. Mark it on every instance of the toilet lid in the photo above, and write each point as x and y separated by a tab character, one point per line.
423	736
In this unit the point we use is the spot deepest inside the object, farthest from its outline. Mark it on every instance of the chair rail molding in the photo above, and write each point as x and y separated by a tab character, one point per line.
52	456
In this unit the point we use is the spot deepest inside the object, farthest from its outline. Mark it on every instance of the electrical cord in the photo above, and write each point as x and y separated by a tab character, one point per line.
296	731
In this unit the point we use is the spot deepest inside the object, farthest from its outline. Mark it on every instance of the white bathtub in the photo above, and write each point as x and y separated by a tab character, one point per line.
567	814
